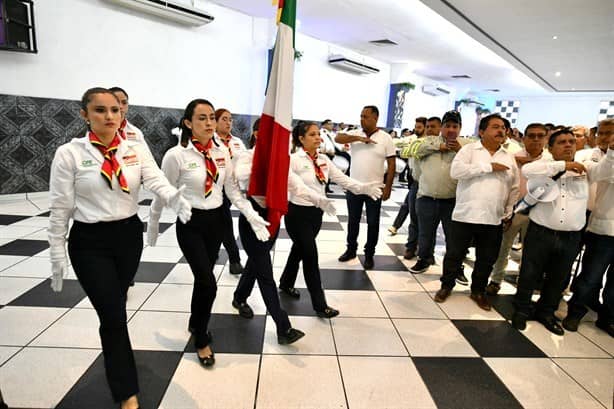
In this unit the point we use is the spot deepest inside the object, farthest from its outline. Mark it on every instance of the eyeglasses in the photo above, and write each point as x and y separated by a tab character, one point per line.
535	136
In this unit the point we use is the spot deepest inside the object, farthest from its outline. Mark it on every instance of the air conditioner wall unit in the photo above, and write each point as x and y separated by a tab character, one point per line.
175	11
435	90
347	64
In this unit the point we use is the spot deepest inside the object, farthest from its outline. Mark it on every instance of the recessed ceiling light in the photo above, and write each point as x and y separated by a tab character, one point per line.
557	74
573	89
555	37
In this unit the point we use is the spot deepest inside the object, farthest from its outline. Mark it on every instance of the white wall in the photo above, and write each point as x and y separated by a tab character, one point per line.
564	109
85	43
322	91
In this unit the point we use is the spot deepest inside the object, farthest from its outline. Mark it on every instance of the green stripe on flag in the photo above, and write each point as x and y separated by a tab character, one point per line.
288	17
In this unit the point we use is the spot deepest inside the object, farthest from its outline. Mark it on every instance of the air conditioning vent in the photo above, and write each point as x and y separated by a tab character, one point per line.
461	76
169	10
435	90
346	64
383	42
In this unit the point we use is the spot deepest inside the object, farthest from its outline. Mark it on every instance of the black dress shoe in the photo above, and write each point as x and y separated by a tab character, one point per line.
327	313
369	263
235	268
443	294
571	323
208	360
291	291
607	326
409	254
132	283
290	336
519	321
244	309
551	325
347	256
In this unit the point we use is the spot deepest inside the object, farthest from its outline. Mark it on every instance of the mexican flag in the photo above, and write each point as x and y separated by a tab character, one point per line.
269	176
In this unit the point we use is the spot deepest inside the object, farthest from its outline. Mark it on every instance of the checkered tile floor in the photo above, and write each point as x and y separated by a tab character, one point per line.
391	347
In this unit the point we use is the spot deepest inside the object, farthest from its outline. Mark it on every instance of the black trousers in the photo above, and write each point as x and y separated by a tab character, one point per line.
260	268
200	240
547	254
487	240
355	204
303	224
228	240
105	257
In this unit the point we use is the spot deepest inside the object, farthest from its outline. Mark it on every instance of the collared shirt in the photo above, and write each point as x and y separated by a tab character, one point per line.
601	220
186	166
483	196
77	189
368	160
523	181
590	155
235	144
432	167
512	146
328	141
568	211
302	165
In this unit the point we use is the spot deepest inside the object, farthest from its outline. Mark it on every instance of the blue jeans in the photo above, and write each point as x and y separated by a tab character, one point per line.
430	212
355	203
597	261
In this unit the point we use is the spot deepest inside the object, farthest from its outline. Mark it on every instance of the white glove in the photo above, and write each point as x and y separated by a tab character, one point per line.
326	205
372	189
153	229
58	271
181	206
259	225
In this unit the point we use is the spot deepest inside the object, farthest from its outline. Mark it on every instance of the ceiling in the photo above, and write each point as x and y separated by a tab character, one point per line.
501	44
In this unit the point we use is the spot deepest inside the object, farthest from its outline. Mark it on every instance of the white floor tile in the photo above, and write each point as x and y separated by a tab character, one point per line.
30	267
223	301
597	335
20	208
159	331
595	375
411	305
570	345
170	297
430	282
162	254
78	328
318	337
13	321
17	232
231	383
460	307
539	383
394	281
6	353
40	377
330	260
356	303
383	382
37	221
300	381
367	336
13	287
433	338
180	274
7	261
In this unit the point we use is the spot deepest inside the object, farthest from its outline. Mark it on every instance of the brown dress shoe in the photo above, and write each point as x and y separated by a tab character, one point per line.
442	294
493	288
481	300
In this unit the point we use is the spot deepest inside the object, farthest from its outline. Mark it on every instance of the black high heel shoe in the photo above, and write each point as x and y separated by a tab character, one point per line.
291	291
207	361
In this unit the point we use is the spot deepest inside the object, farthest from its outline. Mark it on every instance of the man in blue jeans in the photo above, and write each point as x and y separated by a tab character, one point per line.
371	149
598	259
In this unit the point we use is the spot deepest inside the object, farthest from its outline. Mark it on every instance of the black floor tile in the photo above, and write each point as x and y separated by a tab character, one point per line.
497	339
333	279
397	248
503	304
44	214
331	226
301	306
152	272
6	219
385	263
23	247
145	202
234	334
155	370
464	383
43	296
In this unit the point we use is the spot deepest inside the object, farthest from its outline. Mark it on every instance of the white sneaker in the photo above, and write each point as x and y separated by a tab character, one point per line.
392	230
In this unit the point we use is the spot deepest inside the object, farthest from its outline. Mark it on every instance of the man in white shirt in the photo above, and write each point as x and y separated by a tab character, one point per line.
485	195
555	230
372	149
599	239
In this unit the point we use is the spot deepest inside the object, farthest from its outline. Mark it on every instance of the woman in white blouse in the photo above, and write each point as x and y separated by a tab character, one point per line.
95	180
205	169
304	220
